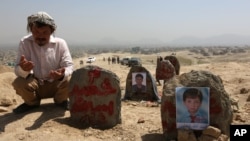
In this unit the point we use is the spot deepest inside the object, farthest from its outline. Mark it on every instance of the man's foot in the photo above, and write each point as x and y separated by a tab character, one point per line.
64	104
24	108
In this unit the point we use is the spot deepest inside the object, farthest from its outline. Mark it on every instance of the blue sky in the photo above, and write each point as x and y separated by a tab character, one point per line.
128	21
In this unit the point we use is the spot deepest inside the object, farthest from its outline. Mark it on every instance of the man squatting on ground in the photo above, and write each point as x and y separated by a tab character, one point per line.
44	65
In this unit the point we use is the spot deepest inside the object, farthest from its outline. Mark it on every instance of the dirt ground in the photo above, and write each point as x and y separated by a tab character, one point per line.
50	123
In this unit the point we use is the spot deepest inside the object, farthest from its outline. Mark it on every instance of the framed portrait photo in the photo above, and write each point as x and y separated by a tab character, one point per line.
192	107
139	82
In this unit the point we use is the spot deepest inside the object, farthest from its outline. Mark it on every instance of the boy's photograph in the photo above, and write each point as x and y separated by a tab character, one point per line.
192	107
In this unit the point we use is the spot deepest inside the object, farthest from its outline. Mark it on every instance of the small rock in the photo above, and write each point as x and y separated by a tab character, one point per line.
223	137
3	109
141	120
134	104
239	118
244	91
212	131
5	102
248	98
149	104
207	138
186	135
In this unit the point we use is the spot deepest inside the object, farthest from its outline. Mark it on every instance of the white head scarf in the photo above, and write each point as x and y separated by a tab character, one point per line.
41	17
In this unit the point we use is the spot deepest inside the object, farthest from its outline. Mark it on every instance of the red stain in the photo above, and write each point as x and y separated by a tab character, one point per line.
212	100
169	108
214	107
164	123
87	110
87	106
95	73
168	127
90	90
107	87
215	110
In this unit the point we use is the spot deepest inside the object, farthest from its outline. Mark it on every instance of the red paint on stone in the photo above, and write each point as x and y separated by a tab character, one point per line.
107	87
214	107
169	108
95	73
215	110
87	106
90	90
168	127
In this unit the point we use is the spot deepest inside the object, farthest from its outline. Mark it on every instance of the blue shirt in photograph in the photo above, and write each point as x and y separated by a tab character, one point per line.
197	118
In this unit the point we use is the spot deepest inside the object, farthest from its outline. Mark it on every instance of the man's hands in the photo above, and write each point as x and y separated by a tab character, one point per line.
25	64
28	66
57	74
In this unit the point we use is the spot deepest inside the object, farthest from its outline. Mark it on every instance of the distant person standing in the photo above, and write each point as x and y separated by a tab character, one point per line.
81	62
118	60
109	60
113	60
44	65
159	59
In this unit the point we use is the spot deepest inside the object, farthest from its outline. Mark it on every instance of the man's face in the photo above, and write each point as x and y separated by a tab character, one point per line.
192	104
41	35
138	80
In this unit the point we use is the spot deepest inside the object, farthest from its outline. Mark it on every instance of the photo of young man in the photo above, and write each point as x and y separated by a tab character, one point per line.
139	82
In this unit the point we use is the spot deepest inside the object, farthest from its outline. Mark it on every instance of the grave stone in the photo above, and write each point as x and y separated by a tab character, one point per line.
95	97
175	62
150	94
164	70
220	110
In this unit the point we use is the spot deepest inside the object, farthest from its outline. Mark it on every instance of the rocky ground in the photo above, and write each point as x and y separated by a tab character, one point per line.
141	121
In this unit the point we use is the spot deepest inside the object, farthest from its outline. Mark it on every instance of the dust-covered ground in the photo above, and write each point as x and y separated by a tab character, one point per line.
50	123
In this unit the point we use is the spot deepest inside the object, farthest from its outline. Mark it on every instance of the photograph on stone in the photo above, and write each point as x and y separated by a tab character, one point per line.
192	107
139	82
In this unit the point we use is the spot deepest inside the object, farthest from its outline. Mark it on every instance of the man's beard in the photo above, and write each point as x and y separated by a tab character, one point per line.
41	41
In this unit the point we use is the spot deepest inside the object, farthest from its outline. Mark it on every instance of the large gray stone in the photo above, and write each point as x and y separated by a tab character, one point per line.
95	97
220	110
151	93
164	70
175	62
